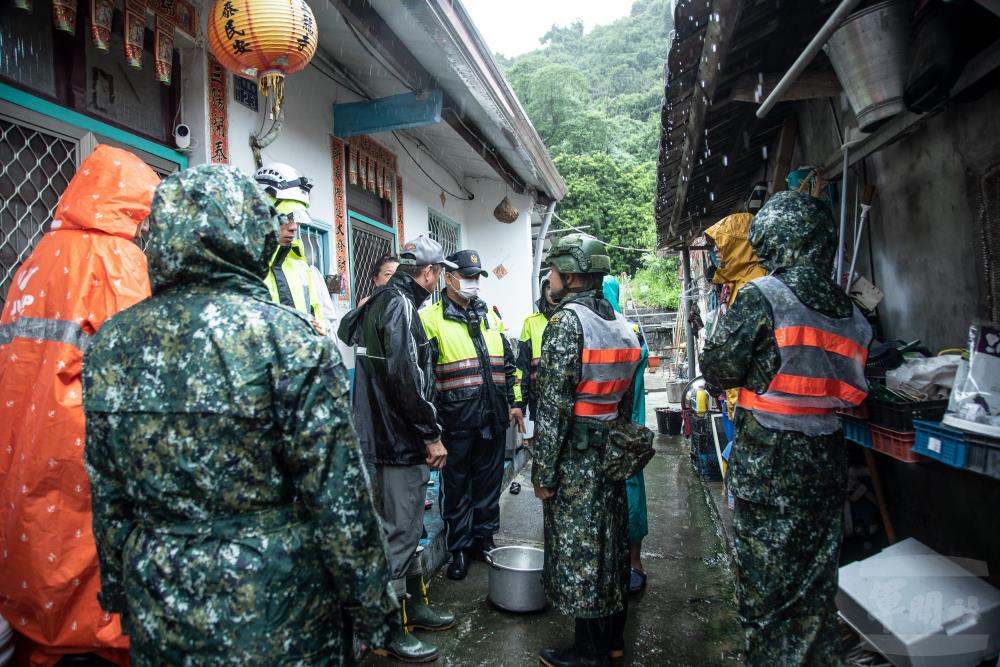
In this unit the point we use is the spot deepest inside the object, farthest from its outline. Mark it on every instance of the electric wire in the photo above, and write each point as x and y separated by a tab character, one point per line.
377	58
343	84
431	178
608	245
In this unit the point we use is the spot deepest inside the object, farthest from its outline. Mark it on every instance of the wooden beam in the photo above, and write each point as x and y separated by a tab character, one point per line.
786	146
718	37
811	85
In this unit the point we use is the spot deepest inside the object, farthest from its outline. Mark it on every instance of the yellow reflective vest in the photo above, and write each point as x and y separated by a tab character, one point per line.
459	376
531	344
301	279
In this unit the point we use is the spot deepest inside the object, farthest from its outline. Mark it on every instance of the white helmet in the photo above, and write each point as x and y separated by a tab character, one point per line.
284	182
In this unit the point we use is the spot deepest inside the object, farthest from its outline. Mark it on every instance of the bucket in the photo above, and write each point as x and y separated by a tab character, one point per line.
675	391
668	421
869	54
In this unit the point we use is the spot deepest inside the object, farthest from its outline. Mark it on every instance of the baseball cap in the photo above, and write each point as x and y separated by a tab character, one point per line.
467	263
423	251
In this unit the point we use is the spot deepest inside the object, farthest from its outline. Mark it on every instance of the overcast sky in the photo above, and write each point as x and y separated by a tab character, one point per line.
513	27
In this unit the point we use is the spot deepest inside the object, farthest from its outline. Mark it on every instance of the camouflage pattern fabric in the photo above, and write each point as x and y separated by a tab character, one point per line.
790	487
232	511
586	521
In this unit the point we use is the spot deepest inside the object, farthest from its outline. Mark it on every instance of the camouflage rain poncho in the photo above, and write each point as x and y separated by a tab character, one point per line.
232	512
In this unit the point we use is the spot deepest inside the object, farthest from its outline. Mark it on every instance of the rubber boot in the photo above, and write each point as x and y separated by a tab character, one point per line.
584	651
404	646
421	616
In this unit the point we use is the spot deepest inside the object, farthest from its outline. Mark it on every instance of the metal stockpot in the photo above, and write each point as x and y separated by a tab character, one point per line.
516	578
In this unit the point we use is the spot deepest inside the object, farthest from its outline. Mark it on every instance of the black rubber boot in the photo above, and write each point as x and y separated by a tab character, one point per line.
583	653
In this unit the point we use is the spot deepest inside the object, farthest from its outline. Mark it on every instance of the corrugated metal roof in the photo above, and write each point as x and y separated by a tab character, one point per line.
721	47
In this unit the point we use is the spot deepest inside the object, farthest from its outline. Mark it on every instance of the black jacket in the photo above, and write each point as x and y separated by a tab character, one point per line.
480	408
394	412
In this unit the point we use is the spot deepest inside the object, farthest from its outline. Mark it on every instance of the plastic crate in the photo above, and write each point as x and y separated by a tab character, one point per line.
707	466
940	443
858	432
862	412
983	455
898	445
900	416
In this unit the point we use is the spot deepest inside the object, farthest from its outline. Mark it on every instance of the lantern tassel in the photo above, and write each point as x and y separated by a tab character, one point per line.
272	86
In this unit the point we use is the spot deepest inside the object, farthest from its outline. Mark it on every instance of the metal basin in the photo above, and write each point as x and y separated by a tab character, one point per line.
516	578
868	53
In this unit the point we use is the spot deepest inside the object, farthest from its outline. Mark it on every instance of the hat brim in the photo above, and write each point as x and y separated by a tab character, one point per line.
470	271
451	266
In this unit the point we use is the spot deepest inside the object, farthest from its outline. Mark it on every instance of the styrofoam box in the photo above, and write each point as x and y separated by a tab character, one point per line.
921	609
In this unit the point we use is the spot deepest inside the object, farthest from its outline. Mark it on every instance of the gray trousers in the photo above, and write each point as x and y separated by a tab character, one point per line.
400	492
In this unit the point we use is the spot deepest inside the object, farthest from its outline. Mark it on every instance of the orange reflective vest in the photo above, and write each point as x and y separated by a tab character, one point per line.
822	365
611	353
81	273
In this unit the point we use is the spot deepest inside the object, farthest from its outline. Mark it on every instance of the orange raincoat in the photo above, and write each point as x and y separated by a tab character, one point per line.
81	273
739	267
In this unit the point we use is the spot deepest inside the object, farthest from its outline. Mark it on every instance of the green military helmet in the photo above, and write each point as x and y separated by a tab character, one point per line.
579	253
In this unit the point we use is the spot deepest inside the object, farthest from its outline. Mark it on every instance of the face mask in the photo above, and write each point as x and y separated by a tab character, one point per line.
468	288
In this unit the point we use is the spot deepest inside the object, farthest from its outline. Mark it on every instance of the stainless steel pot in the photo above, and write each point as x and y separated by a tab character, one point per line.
516	578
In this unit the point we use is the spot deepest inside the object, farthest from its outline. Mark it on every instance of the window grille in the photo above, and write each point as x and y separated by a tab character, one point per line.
449	234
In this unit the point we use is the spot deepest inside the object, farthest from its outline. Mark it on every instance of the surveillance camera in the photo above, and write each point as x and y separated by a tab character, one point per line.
182	136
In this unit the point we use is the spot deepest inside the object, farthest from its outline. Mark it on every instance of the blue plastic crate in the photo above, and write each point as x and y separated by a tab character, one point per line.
857	432
707	467
940	443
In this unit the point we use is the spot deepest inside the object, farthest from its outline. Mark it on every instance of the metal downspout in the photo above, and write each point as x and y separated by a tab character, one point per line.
536	268
806	57
689	297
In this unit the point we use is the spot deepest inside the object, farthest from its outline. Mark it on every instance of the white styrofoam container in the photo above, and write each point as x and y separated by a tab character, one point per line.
921	609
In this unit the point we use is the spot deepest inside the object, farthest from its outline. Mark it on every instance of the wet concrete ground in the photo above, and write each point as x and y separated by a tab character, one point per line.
686	616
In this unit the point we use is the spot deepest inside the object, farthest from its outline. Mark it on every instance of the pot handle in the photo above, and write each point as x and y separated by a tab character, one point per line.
487	557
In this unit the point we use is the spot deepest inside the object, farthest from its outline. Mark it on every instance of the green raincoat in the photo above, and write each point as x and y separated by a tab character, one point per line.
232	511
789	487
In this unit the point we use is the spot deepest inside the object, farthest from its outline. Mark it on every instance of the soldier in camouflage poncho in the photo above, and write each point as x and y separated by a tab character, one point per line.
586	572
789	483
232	513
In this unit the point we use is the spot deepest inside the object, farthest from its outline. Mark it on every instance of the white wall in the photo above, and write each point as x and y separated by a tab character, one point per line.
304	142
499	243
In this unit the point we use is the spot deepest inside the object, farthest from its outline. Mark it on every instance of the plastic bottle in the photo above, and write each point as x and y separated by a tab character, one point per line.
702	402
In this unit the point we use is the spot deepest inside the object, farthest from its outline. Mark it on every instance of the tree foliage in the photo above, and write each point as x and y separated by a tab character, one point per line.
595	100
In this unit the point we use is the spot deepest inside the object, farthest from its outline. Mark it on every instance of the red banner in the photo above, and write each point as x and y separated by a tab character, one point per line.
135	32
102	12
218	112
187	17
340	211
64	15
163	50
401	237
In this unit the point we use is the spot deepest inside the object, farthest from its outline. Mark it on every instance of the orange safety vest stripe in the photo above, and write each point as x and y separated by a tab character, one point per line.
825	340
613	356
608	387
753	401
586	409
810	386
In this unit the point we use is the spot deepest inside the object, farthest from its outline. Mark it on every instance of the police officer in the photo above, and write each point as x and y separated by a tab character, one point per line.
589	358
474	392
529	353
795	345
292	281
